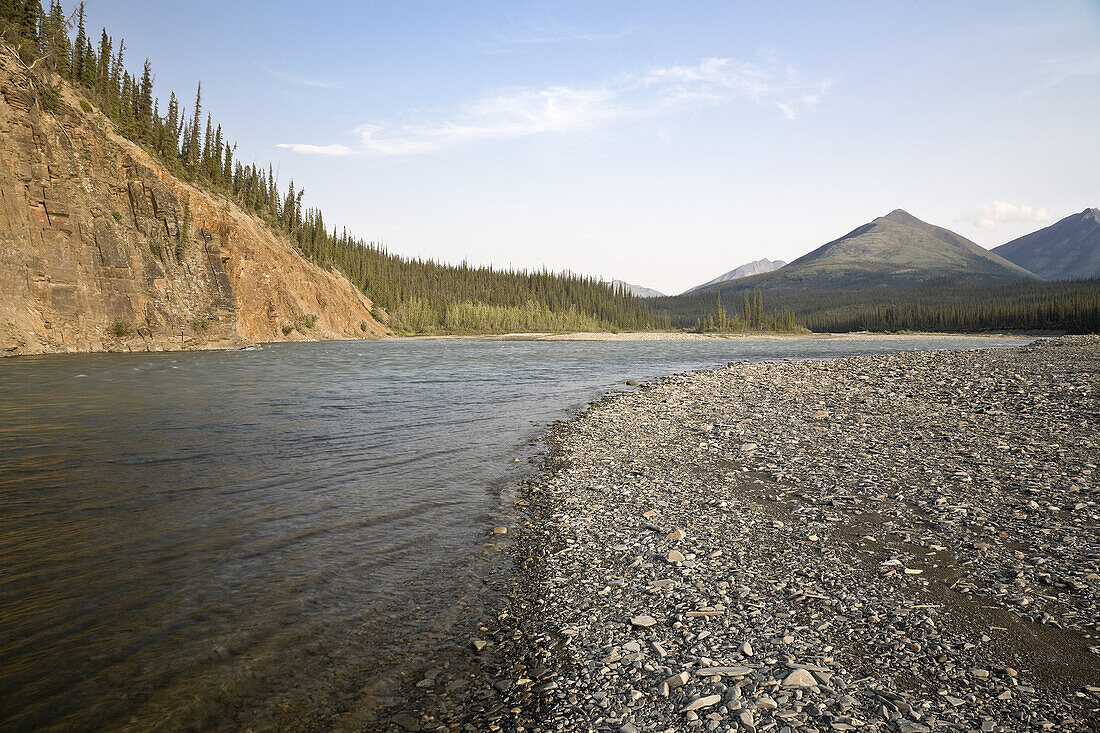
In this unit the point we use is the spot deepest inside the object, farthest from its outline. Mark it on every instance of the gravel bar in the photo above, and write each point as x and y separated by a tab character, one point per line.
903	543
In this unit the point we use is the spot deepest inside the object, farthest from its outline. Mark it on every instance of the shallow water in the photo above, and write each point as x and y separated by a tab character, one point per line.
216	539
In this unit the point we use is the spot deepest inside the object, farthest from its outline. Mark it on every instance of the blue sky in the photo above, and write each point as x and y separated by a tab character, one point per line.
659	143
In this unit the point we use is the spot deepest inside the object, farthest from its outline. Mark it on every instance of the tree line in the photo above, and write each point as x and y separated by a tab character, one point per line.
941	305
413	294
752	318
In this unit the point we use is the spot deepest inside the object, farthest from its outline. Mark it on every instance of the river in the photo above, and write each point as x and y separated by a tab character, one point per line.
269	537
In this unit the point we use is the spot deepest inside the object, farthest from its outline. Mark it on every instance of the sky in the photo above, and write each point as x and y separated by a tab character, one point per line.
658	143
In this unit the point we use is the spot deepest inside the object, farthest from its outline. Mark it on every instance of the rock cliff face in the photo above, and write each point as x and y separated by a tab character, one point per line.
102	249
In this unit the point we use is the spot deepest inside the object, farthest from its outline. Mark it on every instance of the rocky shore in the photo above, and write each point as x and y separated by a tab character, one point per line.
888	543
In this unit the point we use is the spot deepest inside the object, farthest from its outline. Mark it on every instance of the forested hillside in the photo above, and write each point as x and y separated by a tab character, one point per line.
413	295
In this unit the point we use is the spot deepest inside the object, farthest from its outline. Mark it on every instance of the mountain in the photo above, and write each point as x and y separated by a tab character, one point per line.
896	250
103	249
1064	250
638	290
756	267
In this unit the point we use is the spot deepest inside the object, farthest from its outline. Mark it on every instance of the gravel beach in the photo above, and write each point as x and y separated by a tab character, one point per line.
889	543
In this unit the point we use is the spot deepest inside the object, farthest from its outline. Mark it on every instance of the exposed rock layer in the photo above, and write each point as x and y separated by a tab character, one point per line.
94	232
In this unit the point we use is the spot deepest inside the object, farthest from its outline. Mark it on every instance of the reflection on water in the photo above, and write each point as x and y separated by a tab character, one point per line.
220	539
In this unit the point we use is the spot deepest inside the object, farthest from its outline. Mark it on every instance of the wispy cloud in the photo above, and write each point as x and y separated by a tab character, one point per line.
991	216
561	109
550	31
334	149
299	80
1070	66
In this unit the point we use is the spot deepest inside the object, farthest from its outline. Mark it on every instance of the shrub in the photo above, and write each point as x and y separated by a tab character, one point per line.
117	215
199	324
50	97
363	326
85	106
287	328
120	329
309	321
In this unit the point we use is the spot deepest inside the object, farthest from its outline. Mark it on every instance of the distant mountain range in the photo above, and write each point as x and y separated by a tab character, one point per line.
757	267
1065	250
896	250
638	290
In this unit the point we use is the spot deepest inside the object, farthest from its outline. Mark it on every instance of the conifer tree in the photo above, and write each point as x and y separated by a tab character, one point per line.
172	127
191	153
207	148
56	39
78	47
145	105
31	22
103	68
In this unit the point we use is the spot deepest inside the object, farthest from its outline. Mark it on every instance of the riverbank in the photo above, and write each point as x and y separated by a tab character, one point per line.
135	344
887	543
692	336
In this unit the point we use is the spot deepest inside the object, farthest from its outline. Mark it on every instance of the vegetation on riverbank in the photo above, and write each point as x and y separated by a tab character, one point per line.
752	318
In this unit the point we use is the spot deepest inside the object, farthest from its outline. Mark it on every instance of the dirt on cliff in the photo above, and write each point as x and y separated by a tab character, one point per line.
103	249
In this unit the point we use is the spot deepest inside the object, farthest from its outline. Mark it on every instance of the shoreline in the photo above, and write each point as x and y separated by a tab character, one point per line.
595	337
839	568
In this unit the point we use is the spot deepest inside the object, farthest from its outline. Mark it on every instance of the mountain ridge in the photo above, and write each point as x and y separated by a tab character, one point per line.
896	249
756	267
1065	250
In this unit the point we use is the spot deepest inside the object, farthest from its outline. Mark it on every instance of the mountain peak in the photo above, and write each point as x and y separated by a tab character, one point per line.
756	267
901	216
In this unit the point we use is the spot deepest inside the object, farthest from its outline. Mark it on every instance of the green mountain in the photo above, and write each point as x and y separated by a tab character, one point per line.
893	250
1065	250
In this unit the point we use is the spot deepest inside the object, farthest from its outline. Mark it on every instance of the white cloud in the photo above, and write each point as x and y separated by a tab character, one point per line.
317	149
548	30
562	109
991	216
299	80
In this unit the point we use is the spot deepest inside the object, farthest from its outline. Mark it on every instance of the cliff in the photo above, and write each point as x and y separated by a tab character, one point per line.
103	249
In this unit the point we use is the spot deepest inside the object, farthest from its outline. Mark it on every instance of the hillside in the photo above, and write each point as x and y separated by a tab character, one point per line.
101	248
893	250
1065	250
756	267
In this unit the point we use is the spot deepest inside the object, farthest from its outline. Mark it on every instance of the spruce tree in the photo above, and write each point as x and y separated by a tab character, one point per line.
172	127
31	47
192	150
145	105
78	47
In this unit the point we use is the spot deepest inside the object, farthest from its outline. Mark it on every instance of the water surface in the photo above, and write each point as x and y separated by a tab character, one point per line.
213	540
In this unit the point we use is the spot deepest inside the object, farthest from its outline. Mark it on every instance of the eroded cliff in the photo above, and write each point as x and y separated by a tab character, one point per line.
102	249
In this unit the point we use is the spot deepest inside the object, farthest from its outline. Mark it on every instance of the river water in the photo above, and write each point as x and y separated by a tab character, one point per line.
266	538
